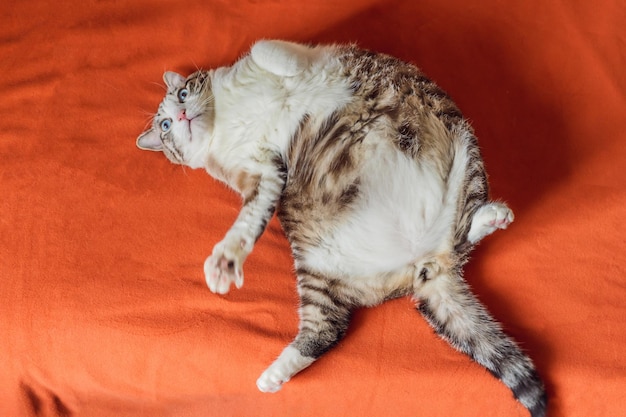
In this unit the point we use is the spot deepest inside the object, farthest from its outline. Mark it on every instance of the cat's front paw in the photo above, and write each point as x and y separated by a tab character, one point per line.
225	266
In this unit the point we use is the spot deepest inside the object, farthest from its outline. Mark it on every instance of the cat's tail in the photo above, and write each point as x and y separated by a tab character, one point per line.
449	306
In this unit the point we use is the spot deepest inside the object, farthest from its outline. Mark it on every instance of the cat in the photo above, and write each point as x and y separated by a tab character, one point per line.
376	178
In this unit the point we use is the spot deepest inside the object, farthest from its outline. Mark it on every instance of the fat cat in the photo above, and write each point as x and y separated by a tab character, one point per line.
376	178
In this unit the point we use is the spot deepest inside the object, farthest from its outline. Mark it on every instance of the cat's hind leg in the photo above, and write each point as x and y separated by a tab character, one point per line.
456	315
285	59
487	219
324	318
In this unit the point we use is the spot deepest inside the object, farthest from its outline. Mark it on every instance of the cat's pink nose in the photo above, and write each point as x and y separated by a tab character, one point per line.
182	115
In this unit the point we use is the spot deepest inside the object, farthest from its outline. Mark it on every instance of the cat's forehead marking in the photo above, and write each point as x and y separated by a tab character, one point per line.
196	81
159	114
168	106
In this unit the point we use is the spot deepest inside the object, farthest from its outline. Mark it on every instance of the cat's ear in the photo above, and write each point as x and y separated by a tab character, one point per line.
150	141
173	80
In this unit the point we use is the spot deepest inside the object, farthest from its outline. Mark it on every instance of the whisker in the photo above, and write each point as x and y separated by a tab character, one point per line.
184	167
147	125
149	120
161	86
196	66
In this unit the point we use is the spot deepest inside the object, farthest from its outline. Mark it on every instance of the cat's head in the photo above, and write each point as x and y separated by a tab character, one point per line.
182	126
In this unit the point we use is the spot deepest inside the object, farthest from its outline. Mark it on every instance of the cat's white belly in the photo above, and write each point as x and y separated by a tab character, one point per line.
404	214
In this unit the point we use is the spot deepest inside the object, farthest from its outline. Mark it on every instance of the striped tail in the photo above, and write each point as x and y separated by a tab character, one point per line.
449	306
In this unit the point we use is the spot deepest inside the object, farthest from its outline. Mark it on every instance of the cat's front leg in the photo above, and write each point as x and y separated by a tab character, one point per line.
225	265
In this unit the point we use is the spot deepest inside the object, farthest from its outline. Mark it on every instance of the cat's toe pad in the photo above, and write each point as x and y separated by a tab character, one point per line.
500	216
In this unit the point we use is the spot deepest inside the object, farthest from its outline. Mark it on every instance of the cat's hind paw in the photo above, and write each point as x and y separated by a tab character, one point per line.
488	219
289	363
224	267
270	382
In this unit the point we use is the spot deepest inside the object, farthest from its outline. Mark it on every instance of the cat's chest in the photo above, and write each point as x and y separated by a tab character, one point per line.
253	105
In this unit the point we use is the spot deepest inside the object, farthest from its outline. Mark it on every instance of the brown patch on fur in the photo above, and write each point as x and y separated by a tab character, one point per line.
437	144
324	162
216	169
241	181
247	185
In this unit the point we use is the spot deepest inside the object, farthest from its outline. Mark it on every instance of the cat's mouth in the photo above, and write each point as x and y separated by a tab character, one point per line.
184	117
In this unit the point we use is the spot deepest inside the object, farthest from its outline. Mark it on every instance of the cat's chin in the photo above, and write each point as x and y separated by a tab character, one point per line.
198	160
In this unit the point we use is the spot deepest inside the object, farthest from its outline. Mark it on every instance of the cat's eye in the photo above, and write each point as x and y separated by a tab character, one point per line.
166	125
183	93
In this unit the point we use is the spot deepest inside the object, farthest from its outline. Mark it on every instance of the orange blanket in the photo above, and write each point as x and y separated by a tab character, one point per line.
103	306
